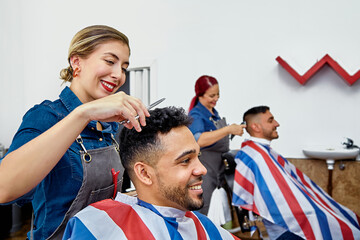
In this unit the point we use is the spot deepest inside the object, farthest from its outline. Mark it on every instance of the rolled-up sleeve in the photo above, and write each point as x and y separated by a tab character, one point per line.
197	127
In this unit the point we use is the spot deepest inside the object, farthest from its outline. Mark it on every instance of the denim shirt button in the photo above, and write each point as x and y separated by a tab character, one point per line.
100	139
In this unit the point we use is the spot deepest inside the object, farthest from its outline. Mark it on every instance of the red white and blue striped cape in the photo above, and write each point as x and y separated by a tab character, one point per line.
135	219
270	186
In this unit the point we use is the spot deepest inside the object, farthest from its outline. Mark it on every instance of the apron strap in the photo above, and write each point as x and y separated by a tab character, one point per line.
86	156
116	143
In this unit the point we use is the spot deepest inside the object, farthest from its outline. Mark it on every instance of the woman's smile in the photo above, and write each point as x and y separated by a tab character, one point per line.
108	86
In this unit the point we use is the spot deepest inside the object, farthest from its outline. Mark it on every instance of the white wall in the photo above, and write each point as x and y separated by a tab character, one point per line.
236	41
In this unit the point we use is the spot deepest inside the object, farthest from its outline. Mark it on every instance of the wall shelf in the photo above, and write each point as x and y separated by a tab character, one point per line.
316	67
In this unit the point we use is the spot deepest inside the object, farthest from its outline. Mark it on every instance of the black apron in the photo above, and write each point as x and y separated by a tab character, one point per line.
211	158
99	180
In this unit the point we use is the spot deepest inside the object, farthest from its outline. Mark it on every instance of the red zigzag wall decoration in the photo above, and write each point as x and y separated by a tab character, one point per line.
317	66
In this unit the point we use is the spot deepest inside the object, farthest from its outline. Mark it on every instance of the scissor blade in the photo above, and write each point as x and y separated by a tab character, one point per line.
155	103
148	107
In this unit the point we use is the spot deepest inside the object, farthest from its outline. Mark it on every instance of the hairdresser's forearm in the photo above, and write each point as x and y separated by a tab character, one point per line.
24	168
208	138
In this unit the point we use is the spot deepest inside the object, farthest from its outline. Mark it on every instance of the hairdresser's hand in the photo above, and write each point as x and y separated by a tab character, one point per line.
115	108
236	129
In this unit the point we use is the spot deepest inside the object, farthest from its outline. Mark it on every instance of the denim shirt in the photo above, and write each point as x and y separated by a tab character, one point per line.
52	197
203	120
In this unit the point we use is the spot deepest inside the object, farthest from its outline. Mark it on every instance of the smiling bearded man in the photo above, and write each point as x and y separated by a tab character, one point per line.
162	162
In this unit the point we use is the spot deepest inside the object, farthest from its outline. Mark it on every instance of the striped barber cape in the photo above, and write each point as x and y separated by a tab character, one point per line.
129	218
270	186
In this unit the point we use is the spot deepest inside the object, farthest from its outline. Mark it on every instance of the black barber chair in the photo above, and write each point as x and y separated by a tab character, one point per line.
5	220
230	165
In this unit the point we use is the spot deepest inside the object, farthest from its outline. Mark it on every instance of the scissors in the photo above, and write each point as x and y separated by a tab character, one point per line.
148	107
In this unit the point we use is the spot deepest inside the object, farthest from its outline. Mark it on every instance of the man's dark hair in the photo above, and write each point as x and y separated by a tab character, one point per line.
144	146
254	111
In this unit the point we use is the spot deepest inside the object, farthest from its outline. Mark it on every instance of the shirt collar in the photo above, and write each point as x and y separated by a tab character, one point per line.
260	140
69	99
167	212
206	111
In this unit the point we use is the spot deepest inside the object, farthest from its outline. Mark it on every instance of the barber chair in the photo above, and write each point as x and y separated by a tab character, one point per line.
5	220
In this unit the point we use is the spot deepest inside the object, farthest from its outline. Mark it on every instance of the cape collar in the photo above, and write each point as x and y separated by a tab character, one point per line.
167	212
260	140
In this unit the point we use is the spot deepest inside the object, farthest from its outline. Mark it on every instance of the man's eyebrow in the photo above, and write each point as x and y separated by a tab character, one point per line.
185	153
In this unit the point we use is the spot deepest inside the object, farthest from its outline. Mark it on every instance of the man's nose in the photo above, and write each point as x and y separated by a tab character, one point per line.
199	168
277	123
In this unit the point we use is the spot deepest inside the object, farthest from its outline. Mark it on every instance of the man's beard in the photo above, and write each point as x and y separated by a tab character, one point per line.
181	196
270	135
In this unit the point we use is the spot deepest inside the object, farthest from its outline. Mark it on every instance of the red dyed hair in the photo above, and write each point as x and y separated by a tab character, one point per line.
201	86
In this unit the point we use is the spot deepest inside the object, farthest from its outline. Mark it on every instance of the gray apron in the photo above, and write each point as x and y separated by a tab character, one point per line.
211	158
99	180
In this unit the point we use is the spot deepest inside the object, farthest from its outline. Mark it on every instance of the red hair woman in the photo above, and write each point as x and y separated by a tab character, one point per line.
211	133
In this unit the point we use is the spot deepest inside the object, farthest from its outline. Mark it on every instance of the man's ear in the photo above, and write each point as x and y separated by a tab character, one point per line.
255	127
144	173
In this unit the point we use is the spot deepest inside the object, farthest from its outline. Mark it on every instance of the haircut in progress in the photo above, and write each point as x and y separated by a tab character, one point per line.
287	210
87	110
254	111
163	163
136	146
252	116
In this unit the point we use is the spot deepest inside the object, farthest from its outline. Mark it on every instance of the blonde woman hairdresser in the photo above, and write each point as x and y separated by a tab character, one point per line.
64	155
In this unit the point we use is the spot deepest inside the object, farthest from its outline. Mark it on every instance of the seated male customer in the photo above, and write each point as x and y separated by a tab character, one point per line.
291	205
162	162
